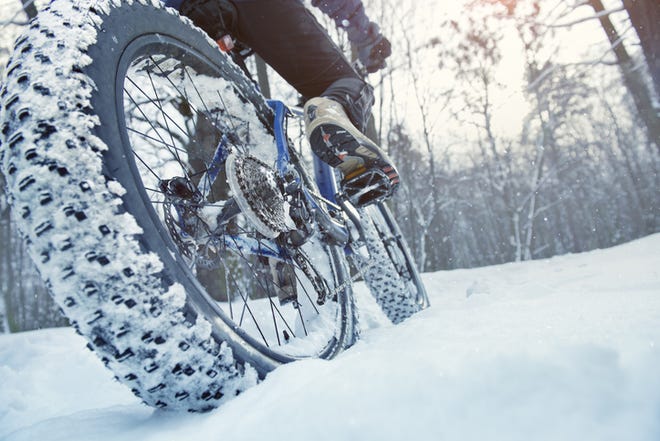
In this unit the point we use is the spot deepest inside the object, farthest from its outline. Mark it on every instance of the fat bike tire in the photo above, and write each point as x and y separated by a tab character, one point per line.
81	101
391	273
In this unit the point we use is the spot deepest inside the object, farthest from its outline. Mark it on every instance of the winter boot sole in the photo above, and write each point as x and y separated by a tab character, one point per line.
373	180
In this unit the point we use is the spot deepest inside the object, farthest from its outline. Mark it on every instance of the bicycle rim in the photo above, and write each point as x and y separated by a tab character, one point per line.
177	107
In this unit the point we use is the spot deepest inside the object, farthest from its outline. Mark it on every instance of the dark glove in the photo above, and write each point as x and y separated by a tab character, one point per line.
373	49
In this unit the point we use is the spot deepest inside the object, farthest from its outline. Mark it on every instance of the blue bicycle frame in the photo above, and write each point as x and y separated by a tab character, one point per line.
324	175
323	172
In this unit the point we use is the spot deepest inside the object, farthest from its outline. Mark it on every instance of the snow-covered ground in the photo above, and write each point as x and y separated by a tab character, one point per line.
560	349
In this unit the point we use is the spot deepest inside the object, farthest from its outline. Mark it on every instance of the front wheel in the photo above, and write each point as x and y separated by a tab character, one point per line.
130	146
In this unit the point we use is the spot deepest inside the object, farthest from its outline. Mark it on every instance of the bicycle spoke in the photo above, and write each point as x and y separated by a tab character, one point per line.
272	313
166	115
155	130
312	302
245	303
158	105
146	165
184	95
258	279
199	95
231	121
151	138
302	320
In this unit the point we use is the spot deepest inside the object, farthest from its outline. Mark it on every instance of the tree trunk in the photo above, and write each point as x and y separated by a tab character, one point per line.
262	76
531	213
645	18
5	259
631	77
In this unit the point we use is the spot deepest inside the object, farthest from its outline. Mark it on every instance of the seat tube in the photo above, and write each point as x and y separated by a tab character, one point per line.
325	179
280	110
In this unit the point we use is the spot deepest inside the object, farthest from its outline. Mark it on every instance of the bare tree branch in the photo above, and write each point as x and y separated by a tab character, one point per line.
589	18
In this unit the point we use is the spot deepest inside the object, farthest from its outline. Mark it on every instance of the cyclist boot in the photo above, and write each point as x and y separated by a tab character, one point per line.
368	174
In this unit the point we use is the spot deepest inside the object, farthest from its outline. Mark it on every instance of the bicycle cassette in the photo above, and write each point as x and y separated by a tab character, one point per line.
257	189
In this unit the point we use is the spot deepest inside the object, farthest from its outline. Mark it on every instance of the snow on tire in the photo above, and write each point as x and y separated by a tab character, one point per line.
391	274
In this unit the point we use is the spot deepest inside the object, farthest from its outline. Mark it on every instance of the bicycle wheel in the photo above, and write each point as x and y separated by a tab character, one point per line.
390	272
117	118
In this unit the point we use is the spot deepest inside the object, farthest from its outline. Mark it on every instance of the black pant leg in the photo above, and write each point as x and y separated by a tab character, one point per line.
289	38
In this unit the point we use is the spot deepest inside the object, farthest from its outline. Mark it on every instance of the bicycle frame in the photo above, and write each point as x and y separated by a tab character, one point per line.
322	171
324	177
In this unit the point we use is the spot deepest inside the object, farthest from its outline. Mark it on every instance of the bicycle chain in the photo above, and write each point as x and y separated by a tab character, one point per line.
301	260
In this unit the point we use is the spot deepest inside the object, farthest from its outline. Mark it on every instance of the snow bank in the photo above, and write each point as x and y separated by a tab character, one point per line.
559	349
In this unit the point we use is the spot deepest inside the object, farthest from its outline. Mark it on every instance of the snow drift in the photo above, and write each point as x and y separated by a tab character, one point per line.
558	349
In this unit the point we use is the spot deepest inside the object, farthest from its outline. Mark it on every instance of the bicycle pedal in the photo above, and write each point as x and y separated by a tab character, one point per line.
365	187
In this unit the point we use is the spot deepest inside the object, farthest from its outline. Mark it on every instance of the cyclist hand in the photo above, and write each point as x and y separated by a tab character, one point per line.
374	49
